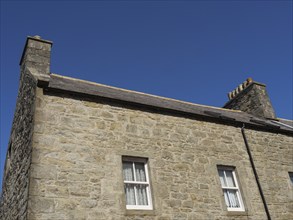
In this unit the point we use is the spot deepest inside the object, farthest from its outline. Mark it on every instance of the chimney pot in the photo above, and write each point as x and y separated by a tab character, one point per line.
240	87
249	80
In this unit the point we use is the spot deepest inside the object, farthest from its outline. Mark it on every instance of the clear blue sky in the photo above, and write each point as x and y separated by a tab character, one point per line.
195	51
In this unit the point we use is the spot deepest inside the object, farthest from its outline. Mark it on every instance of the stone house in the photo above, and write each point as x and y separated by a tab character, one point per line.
82	150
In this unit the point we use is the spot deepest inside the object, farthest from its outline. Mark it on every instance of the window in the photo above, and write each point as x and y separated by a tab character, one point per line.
291	176
230	188
8	160
136	183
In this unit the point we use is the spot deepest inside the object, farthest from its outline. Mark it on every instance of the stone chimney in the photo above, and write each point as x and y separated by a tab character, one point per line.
36	57
251	97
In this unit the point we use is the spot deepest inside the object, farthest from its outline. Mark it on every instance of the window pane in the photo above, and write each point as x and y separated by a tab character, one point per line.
142	198
226	198
140	172
127	171
230	180
222	178
233	199
230	189
129	194
291	177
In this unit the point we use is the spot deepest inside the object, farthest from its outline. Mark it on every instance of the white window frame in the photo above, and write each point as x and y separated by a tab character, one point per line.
230	188
134	160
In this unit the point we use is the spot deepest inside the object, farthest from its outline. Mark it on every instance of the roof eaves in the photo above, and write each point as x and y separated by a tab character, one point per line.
95	89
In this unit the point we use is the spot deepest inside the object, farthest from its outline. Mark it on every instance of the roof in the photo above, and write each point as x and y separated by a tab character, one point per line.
72	85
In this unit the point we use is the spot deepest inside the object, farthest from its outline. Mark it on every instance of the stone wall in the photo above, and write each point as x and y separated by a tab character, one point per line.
273	157
76	170
16	180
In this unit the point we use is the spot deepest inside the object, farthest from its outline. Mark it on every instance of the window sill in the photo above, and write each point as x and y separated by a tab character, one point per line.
141	212
237	213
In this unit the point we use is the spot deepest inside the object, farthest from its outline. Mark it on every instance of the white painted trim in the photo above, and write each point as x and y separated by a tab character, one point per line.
235	188
134	160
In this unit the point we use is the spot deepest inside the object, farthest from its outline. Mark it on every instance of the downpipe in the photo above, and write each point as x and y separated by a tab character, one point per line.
254	172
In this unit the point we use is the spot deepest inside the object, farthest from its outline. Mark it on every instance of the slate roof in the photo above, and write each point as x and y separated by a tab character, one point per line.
72	85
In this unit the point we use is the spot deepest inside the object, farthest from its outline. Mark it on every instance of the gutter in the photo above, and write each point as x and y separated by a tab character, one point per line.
255	172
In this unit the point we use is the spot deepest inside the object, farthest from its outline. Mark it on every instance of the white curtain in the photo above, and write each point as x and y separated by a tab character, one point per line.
129	193
231	199
222	178
141	195
227	198
127	171
230	180
230	195
133	190
129	189
140	172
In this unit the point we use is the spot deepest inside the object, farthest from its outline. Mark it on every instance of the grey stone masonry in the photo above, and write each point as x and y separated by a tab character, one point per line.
36	57
253	99
76	170
16	179
35	69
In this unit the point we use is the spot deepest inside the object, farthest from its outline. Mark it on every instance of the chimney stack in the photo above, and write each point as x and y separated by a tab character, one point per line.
251	97
36	57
